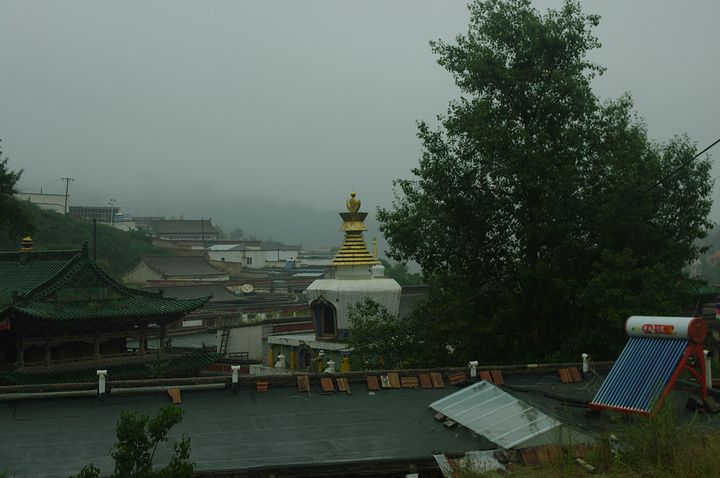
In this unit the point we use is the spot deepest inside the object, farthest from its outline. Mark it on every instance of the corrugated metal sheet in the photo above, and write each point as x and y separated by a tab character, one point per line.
503	419
640	374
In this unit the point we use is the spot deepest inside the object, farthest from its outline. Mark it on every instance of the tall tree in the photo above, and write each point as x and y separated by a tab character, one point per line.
15	221
504	213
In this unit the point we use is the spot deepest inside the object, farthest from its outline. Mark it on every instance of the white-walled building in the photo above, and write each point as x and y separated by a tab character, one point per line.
52	202
257	256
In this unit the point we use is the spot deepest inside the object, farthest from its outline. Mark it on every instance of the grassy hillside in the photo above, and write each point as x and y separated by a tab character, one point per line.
117	251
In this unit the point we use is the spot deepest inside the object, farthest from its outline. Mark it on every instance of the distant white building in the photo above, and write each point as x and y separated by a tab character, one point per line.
52	202
256	256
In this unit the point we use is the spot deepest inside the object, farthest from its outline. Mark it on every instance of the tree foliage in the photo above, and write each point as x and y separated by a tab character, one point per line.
138	440
15	221
513	211
375	341
401	274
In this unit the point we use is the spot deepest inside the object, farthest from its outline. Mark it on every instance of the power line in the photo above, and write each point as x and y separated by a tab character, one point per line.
545	256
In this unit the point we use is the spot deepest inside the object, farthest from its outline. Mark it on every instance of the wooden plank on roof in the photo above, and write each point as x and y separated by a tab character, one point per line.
327	385
498	377
575	374
456	378
393	380
303	383
410	382
175	395
425	381
343	384
565	375
437	380
372	383
485	375
262	386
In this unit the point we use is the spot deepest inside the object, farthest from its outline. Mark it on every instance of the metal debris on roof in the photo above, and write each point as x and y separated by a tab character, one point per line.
478	461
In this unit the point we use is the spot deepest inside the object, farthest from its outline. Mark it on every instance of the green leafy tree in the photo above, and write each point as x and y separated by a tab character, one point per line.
237	234
221	234
511	214
138	440
15	220
401	274
375	340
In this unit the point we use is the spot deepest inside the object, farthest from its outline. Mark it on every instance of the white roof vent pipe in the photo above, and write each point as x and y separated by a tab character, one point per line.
102	375
473	369
235	386
586	363
708	368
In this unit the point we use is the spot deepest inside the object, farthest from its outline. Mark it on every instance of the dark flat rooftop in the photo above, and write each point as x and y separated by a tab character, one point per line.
57	437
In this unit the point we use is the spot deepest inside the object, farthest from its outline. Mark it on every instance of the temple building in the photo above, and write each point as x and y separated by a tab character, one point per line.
357	275
59	307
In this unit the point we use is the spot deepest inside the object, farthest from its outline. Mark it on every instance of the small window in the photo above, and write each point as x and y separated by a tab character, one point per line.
248	260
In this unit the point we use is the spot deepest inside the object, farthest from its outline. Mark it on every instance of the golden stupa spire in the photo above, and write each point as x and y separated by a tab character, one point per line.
353	251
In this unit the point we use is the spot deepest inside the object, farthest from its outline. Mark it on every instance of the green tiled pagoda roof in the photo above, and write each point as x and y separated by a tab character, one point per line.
30	283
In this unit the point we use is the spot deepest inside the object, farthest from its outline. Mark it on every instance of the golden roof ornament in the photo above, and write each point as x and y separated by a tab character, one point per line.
353	205
353	251
26	245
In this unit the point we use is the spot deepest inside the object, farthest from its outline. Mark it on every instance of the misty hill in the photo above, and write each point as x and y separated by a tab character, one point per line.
117	251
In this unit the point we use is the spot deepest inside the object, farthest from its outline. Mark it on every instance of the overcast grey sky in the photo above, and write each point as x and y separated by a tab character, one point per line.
248	111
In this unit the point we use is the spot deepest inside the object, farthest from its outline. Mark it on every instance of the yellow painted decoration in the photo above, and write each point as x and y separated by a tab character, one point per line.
292	360
272	362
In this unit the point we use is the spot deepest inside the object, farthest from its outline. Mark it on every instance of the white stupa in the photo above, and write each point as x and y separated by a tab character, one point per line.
358	275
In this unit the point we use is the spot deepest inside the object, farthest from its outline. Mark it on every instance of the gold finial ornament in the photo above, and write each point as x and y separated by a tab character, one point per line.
353	205
26	245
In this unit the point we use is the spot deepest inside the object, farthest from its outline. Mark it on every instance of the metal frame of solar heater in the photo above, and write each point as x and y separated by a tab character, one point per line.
647	371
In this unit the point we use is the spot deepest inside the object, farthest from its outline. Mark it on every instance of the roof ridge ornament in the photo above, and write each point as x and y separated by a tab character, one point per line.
353	205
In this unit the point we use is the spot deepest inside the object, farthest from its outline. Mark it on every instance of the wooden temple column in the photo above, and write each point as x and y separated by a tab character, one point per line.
162	338
96	351
21	352
48	352
142	350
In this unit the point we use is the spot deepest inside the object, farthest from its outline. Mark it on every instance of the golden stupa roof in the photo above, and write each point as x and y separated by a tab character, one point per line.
353	251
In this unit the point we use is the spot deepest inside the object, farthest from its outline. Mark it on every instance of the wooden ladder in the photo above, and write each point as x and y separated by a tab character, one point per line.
224	340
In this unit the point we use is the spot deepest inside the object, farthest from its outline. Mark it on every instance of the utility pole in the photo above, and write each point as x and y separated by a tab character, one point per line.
67	189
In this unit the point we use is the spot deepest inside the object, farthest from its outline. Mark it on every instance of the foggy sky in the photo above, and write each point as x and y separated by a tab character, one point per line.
265	115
